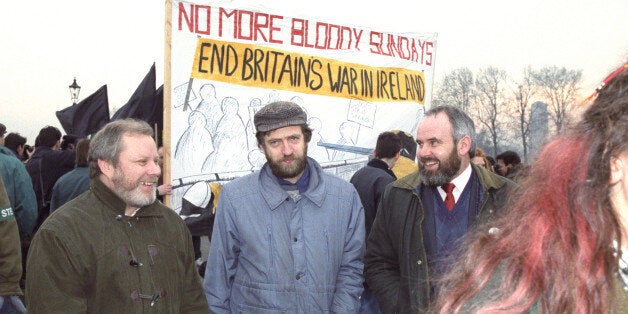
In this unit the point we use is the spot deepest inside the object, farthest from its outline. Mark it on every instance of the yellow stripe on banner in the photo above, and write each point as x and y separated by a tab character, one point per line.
263	67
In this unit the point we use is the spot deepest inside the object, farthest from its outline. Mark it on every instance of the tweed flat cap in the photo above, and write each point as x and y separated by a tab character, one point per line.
277	115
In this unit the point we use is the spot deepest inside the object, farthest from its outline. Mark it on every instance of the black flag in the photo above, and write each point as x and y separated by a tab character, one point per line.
158	114
142	102
86	117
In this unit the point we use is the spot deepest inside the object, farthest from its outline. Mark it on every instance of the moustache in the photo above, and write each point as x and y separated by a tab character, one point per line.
425	160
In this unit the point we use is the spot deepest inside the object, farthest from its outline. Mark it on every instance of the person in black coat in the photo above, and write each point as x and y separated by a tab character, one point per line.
46	166
370	182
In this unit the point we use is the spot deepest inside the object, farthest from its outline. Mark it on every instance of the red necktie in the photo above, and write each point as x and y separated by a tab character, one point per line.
449	199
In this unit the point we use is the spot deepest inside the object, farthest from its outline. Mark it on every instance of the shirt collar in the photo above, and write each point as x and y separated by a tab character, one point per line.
460	182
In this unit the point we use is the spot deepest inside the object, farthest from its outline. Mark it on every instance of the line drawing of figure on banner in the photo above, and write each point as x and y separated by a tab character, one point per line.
299	101
254	106
195	145
230	142
273	96
179	94
209	106
256	158
348	137
319	153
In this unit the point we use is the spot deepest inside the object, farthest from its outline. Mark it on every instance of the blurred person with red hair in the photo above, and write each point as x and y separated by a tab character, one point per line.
481	160
563	246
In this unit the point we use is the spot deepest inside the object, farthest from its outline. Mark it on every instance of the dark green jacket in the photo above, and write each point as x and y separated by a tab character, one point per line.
88	257
396	260
10	251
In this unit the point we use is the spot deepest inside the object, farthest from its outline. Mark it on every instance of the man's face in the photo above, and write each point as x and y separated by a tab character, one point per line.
286	152
501	167
437	153
135	177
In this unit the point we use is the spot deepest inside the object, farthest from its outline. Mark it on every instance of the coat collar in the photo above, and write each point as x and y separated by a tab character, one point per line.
380	164
274	195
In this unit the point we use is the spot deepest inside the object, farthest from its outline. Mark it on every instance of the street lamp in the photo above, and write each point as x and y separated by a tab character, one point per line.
74	91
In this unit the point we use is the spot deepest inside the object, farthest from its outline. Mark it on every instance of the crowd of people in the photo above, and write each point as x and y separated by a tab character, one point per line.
82	227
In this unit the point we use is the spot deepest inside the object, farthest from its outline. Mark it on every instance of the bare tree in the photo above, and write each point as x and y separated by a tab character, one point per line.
559	86
456	89
491	101
525	90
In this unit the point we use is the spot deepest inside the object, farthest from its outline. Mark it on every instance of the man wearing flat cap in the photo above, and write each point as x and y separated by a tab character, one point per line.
290	237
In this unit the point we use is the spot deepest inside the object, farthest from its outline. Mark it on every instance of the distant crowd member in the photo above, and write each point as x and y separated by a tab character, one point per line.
3	131
15	142
10	258
562	246
68	142
48	164
28	153
491	162
288	238
421	217
75	182
406	164
370	181
115	249
481	160
509	164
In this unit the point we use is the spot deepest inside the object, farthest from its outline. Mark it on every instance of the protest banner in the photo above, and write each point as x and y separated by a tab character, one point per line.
225	62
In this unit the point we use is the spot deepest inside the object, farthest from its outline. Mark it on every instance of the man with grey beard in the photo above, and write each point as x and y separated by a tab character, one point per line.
114	248
422	217
288	238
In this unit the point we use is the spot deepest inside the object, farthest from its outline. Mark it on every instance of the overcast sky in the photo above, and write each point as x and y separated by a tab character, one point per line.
45	44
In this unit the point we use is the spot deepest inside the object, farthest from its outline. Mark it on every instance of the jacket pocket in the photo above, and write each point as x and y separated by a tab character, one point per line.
271	249
244	308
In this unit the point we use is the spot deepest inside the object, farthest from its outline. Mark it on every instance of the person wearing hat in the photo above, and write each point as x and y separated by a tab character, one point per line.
290	236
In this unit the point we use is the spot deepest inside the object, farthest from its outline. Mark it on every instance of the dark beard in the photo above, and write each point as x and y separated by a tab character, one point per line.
447	170
290	171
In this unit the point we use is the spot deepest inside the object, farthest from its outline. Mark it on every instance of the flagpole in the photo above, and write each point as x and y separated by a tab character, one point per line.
156	135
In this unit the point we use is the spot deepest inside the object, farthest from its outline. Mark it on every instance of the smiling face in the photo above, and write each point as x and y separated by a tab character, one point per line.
135	177
286	152
440	158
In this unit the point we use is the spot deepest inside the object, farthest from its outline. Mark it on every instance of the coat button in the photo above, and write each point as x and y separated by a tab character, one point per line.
298	276
419	262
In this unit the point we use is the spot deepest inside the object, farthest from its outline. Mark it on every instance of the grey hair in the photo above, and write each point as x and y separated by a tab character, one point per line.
107	143
461	124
